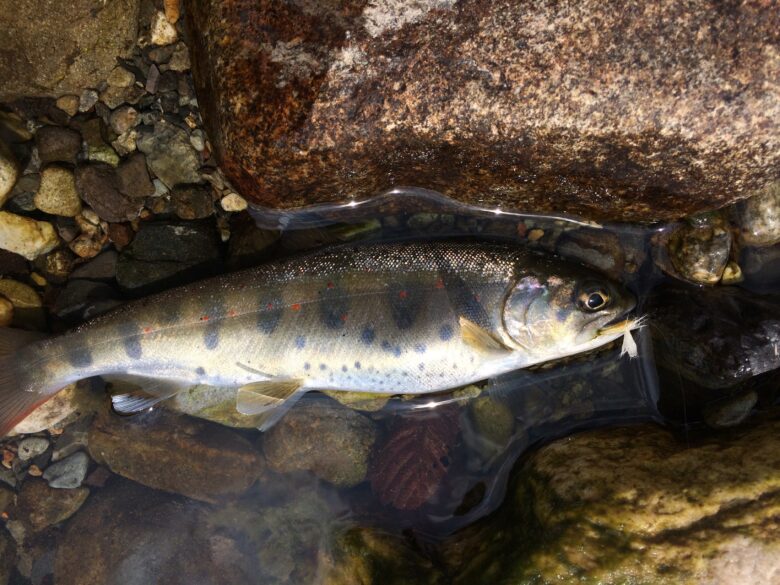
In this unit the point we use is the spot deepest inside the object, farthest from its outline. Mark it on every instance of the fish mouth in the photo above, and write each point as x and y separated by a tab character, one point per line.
621	326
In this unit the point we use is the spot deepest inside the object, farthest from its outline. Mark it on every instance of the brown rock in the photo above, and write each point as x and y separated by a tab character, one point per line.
134	180
50	49
99	186
608	109
56	144
132	535
39	506
192	201
176	454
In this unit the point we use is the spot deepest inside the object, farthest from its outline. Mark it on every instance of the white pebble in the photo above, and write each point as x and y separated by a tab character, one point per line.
163	32
233	202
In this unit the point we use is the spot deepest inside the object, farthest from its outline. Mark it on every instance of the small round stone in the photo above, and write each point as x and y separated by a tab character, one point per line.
163	32
31	447
57	193
233	202
120	77
69	104
26	237
88	99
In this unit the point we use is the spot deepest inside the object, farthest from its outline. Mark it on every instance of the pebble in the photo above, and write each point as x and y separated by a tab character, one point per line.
121	234
68	473
102	267
197	140
123	119
86	246
56	265
172	10
88	99
233	202
192	201
732	274
163	32
9	172
57	192
180	59
70	403
6	312
113	97
98	185
731	411
152	79
57	144
31	447
26	237
120	77
125	143
759	218
133	175
170	154
40	506
161	55
69	104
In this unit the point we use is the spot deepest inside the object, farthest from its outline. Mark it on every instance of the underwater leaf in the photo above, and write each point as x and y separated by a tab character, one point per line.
407	468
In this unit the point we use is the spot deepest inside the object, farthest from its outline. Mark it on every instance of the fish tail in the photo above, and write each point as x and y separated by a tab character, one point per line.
18	396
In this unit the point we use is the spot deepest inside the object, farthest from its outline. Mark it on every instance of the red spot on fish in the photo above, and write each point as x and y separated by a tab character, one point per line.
296	307
330	285
476	298
147	329
269	306
343	317
439	283
403	294
204	318
232	313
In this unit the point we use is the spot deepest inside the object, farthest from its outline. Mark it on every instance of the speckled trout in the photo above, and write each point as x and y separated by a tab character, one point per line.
384	318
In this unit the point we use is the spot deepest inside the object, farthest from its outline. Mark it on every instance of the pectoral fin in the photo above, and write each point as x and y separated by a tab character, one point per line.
480	338
146	392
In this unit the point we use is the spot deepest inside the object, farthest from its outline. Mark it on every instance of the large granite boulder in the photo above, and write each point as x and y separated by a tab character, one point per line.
635	505
50	49
629	110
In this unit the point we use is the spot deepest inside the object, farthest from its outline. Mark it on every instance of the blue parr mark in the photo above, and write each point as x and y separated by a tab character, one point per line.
368	335
343	368
420	348
211	336
390	348
357	365
445	332
200	371
269	315
79	357
131	340
300	342
307	366
323	367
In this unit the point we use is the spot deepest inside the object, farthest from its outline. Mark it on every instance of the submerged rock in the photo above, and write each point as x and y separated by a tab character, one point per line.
57	144
7	556
333	442
758	218
217	404
699	249
133	535
176	454
57	192
72	402
49	51
634	505
68	473
500	103
99	185
170	155
9	172
40	505
26	237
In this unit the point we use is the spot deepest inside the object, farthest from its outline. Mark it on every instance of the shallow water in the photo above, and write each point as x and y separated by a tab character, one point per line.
432	466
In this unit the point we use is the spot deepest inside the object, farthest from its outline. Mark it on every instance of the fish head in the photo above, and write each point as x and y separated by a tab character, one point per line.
557	311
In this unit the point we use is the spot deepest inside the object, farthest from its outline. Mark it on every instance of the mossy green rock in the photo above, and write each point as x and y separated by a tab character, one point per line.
365	556
634	505
214	403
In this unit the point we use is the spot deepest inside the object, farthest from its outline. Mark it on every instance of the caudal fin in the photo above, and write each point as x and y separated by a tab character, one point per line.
16	399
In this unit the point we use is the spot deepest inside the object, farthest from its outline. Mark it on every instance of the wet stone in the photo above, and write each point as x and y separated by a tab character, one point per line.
57	192
180	59
170	155
9	171
699	250
6	312
758	218
69	472
98	185
537	117
134	180
176	454
163	32
113	97
133	535
730	411
57	144
69	404
40	505
69	104
123	119
88	99
597	248
102	267
161	250
125	143
332	442
56	265
82	299
7	556
31	447
121	234
120	77
192	201
28	309
26	237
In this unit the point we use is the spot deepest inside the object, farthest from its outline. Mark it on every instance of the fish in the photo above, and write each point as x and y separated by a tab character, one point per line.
383	318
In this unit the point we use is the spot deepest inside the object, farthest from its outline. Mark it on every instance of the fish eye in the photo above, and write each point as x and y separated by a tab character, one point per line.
593	300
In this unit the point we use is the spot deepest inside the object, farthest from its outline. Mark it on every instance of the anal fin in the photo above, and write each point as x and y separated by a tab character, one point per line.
268	400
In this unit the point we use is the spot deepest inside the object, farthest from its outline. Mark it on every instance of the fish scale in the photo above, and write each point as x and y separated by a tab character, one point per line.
384	318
